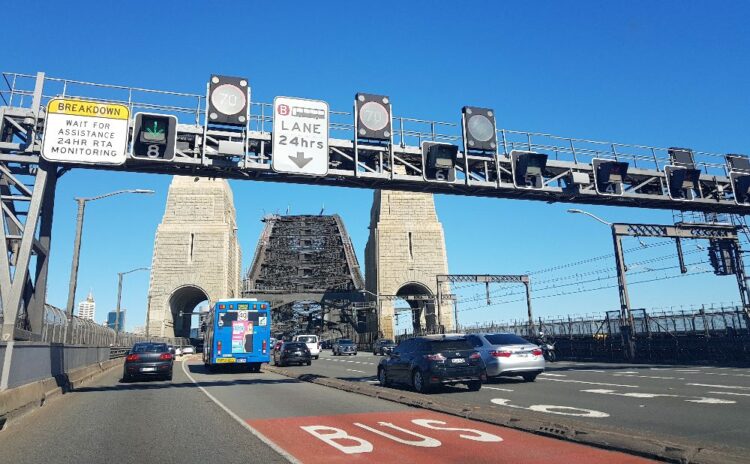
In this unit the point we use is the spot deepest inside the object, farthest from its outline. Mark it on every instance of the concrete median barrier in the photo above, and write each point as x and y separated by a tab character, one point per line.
18	401
602	436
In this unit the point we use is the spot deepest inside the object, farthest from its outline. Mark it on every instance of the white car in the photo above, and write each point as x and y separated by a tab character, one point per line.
312	342
188	349
178	351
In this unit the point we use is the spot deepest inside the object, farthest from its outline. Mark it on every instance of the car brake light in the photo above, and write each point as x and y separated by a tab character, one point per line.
536	352
165	356
264	347
475	356
500	354
218	347
435	357
132	358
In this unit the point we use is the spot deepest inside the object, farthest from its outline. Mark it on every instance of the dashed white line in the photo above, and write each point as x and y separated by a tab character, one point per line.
497	388
729	393
730	387
589	383
550	374
355	370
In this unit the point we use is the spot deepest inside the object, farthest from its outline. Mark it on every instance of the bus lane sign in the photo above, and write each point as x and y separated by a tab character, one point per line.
85	132
300	136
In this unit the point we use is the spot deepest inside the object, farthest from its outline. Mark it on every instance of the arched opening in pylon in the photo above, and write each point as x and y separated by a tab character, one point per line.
415	313
185	305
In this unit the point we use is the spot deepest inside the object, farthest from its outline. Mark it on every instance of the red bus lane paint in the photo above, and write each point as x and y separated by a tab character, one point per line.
416	436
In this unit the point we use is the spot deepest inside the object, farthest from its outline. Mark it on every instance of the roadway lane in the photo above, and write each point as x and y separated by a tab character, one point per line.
142	422
708	406
317	424
241	417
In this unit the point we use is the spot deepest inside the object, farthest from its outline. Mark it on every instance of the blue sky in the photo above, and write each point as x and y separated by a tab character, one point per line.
653	73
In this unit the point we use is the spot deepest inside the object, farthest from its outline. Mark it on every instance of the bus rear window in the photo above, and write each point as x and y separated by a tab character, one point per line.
226	319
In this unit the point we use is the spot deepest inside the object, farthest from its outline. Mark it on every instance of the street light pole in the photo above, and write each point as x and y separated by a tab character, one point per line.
77	248
119	297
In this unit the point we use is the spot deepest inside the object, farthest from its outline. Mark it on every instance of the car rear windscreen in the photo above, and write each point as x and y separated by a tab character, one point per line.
295	346
307	339
345	341
438	346
506	339
150	348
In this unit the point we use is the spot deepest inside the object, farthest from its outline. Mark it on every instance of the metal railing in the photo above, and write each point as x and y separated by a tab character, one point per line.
701	321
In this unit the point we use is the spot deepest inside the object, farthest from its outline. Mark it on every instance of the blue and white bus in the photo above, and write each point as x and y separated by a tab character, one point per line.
237	331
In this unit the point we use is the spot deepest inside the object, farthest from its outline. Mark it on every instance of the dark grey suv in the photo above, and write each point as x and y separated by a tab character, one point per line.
431	361
383	346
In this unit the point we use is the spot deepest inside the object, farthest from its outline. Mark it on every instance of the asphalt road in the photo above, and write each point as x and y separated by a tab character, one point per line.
708	406
243	417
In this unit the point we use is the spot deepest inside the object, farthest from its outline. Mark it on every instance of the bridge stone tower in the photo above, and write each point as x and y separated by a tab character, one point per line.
404	253
196	254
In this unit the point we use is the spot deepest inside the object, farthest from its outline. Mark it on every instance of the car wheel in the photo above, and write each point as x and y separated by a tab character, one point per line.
168	376
530	377
355	354
317	356
309	363
418	382
382	378
475	385
127	378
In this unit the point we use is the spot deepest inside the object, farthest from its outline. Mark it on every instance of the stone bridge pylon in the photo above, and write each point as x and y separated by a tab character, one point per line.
197	255
404	254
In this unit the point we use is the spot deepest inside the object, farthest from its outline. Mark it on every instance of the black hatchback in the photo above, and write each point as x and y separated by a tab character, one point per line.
292	353
430	361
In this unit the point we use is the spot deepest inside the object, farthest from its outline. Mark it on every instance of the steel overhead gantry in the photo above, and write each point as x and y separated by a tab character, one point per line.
487	279
516	165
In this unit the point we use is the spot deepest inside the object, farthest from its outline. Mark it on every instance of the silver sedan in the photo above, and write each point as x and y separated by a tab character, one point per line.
507	354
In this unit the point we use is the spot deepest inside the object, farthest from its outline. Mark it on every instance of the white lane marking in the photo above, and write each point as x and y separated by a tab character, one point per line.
729	393
553	375
237	418
628	394
624	372
497	388
554	409
730	387
705	400
355	370
689	371
587	370
590	383
690	399
645	376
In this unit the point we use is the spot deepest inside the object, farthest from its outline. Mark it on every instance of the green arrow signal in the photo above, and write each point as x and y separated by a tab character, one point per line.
155	130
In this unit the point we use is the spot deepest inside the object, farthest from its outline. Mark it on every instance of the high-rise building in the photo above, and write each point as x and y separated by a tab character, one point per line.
87	308
112	315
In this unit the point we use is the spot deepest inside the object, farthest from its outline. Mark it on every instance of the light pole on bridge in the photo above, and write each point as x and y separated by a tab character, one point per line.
77	247
119	297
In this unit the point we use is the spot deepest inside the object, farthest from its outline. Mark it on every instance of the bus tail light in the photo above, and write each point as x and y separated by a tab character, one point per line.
264	347
218	348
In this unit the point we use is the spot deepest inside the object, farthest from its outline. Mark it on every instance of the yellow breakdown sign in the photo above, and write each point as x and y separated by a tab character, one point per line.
80	131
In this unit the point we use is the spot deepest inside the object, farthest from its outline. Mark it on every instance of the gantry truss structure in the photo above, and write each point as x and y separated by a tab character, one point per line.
28	182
